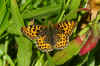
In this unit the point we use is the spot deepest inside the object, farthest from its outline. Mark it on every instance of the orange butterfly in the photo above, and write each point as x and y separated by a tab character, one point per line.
50	37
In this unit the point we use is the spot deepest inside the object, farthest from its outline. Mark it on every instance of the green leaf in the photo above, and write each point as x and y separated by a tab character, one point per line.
96	26
24	5
91	59
1	63
24	51
50	61
2	10
41	11
7	58
40	61
64	55
4	25
16	17
73	10
3	16
24	45
2	49
63	11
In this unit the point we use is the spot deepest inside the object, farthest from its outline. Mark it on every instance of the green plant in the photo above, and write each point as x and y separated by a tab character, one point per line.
17	50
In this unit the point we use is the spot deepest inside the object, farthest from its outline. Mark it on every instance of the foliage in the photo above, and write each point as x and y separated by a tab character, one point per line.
18	50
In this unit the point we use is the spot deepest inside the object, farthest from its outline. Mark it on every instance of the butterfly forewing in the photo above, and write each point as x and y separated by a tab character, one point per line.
65	27
31	31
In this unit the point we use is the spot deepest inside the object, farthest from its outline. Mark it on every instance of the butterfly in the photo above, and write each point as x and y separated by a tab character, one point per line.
48	38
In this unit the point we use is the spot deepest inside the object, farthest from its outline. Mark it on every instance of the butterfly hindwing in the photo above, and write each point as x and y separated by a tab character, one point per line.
43	44
61	41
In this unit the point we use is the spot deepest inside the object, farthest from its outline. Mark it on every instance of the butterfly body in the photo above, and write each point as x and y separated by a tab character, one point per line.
54	36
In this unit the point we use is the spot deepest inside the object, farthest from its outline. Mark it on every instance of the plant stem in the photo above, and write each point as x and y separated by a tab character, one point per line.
61	16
